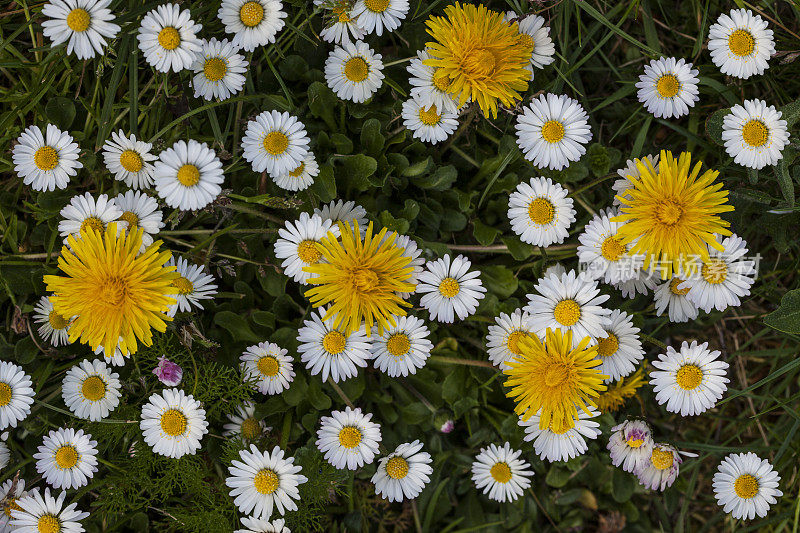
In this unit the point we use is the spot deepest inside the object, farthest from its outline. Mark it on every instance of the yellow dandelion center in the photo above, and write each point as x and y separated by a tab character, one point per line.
556	374
715	271
46	158
93	388
79	20
308	252
608	346
634	443
441	81
669	212
526	41
689	377
377	6
251	14
397	467
189	175
131	161
296	173
567	312
215	68
449	287
612	249
173	423
755	133
661	459
746	486
11	505
541	211
93	223
266	481
512	343
429	117
553	131
276	143
741	43
356	69
183	285
67	457
500	472
268	366
480	63
673	287
668	86
250	428
131	218
398	344
56	320
5	394
48	523
334	342
349	437
169	38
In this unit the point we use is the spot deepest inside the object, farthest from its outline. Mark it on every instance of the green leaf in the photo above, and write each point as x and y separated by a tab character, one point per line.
785	181
322	102
342	143
484	234
419	168
622	485
371	137
237	326
441	179
787	317
60	111
25	351
598	159
714	125
499	280
557	477
325	183
400	225
519	250
358	169
791	113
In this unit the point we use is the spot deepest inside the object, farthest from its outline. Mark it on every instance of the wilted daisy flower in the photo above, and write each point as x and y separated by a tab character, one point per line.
630	445
91	390
297	245
83	212
275	142
244	424
672	213
168	38
253	23
661	469
354	71
45	162
642	284
403	348
42	513
403	473
429	85
755	134
264	480
623	183
450	289
618	392
54	327
82	24
168	372
746	485
375	15
188	175
690	381
620	350
428	123
349	439
330	351
173	423
129	160
268	365
257	525
668	87
341	211
500	473
534	33
552	131
140	211
502	342
740	43
671	296
559	443
301	177
540	212
16	394
219	70
602	255
343	23
192	284
66	459
10	492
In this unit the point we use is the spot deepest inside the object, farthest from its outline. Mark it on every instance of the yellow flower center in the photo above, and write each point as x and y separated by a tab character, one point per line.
541	211
608	346
215	68
746	486
715	271
364	279
5	394
669	212
634	443
689	377
334	342
131	161
93	223
398	344
11	505
308	253
56	320
449	287
755	133
78	20
276	143
356	69
567	312
553	131
250	428
349	437
612	249
46	158
268	366
131	218
188	175
48	523
377	6
296	173
183	285
93	388
169	38
661	459
113	291
173	423
556	374
441	80
480	63
251	14
500	472
67	456
429	117
512	343
668	86
397	467
741	43
344	17
673	287
266	481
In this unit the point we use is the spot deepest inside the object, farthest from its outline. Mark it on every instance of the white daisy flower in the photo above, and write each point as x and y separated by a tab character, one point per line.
375	15
253	23
691	381
570	302
66	459
10	492
83	212
403	473
746	485
82	24
173	423
428	123
140	211
428	88
16	394
754	134
5	458
297	245
671	296
412	251
401	349
264	480
116	359
553	131
54	328
42	513
188	175
349	439
662	467
500	473
257	525
740	43
535	33
244	424
327	350
219	70
620	350
562	443
341	211
602	255
91	390
267	364
275	142
193	285
668	87
623	184
643	284
503	338
540	212
342	25
129	160
45	162
450	289
353	71
168	38
630	445
301	177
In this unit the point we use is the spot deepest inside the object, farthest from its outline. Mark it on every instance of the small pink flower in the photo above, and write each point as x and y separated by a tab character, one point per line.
447	427
168	373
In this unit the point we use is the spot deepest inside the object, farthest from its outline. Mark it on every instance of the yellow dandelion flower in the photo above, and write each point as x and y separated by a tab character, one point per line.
671	214
554	377
478	56
115	293
361	277
625	388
